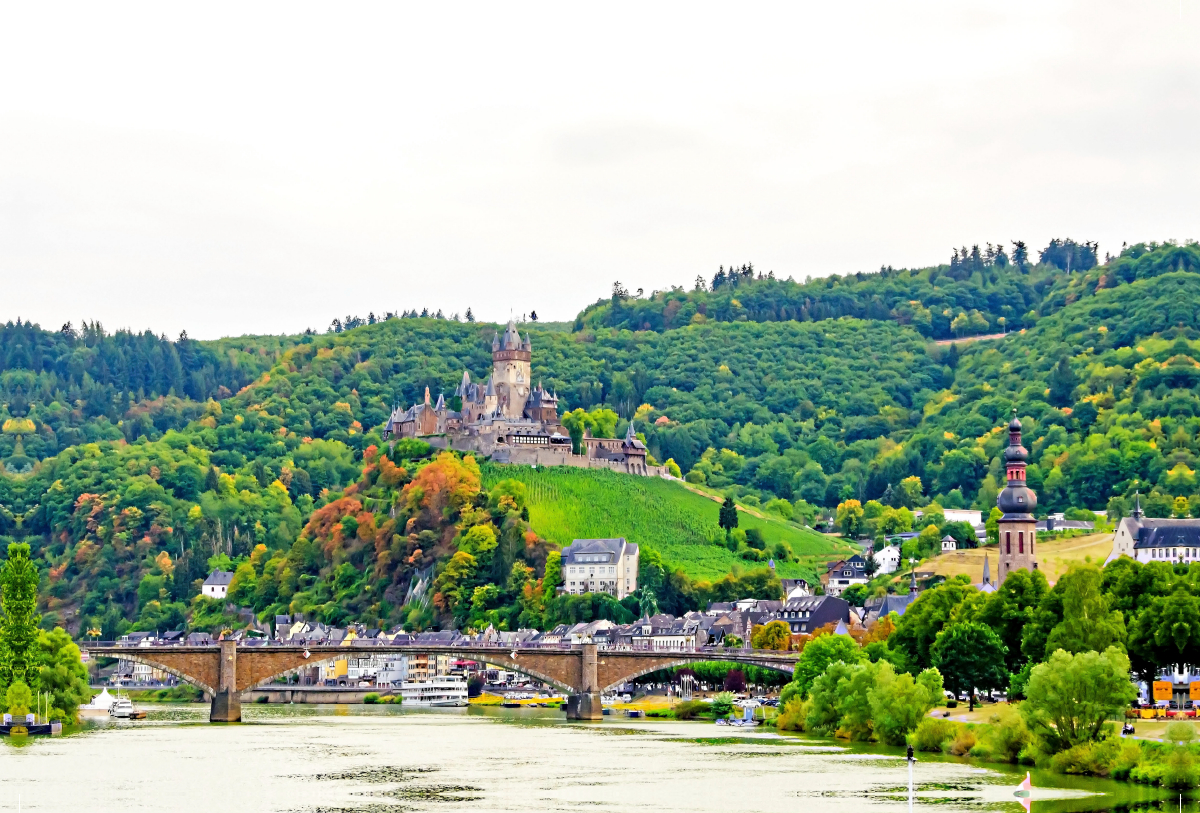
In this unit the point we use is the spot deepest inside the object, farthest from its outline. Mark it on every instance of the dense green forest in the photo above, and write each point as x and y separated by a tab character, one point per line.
978	291
130	461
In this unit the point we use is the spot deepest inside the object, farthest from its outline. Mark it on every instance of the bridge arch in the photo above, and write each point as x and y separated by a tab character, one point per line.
495	658
517	666
685	660
160	665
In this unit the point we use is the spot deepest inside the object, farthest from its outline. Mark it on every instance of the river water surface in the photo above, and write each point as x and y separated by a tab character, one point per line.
380	759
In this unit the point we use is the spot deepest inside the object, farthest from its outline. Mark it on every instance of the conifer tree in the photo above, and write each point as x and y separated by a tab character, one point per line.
728	518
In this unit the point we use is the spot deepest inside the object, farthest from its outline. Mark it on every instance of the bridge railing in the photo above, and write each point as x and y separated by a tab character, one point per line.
420	646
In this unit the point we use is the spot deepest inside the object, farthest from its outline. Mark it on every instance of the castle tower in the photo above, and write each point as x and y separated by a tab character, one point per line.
489	397
1017	502
511	371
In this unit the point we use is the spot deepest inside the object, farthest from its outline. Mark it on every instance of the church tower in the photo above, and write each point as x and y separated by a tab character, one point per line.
511	371
1017	502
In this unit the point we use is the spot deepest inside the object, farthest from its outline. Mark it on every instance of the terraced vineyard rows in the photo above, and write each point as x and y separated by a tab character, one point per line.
681	526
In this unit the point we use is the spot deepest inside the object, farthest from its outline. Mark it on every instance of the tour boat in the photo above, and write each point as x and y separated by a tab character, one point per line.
443	690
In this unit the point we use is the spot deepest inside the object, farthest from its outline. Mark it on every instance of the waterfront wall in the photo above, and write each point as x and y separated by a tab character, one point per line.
311	694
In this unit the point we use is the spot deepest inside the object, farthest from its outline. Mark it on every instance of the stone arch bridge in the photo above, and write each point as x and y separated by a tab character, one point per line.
225	670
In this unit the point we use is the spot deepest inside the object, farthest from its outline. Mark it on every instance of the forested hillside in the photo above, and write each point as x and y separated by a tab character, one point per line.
130	457
977	291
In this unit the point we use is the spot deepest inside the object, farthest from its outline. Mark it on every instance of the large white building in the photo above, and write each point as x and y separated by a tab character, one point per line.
1156	540
600	566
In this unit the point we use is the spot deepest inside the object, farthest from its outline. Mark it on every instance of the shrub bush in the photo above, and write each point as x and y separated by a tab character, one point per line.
788	692
371	698
931	734
791	716
1180	732
722	704
691	709
1006	736
1127	759
951	704
1087	759
1181	771
964	740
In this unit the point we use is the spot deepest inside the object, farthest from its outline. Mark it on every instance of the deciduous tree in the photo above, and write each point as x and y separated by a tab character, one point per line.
1070	698
970	656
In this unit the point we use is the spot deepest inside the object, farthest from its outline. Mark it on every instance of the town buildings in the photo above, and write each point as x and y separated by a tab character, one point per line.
600	566
804	615
840	575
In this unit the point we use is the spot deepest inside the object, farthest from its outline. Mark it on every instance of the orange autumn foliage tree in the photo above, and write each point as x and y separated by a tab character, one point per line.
324	526
444	487
390	474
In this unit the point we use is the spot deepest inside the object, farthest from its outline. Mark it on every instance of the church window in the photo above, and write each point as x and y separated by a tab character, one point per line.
1008	540
1020	541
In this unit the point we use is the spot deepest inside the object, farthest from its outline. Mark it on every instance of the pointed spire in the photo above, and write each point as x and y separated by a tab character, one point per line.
629	436
1137	505
495	342
512	339
441	404
491	388
987	569
461	392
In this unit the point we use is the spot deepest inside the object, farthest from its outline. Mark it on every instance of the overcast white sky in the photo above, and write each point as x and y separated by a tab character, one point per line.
236	168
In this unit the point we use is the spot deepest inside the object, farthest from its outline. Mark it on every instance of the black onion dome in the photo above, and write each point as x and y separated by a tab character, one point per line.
1017	500
1016	454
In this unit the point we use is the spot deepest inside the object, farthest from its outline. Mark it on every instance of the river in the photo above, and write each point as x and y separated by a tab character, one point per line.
381	759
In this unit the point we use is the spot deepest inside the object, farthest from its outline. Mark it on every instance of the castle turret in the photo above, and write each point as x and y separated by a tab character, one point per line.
511	371
1018	502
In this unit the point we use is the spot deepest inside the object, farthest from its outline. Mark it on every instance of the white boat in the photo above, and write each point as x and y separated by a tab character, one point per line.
122	709
100	704
443	690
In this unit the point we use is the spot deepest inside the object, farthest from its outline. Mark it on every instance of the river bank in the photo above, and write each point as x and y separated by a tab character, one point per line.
378	759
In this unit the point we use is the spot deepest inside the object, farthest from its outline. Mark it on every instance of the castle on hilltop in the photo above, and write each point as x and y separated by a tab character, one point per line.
511	420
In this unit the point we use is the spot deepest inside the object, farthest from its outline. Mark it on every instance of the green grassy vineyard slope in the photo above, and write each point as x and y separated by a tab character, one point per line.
680	525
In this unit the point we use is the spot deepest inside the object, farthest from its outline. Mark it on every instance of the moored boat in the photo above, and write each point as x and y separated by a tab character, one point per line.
122	709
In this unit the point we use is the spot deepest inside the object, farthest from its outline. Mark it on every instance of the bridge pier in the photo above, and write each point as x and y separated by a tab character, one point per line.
227	700
586	705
